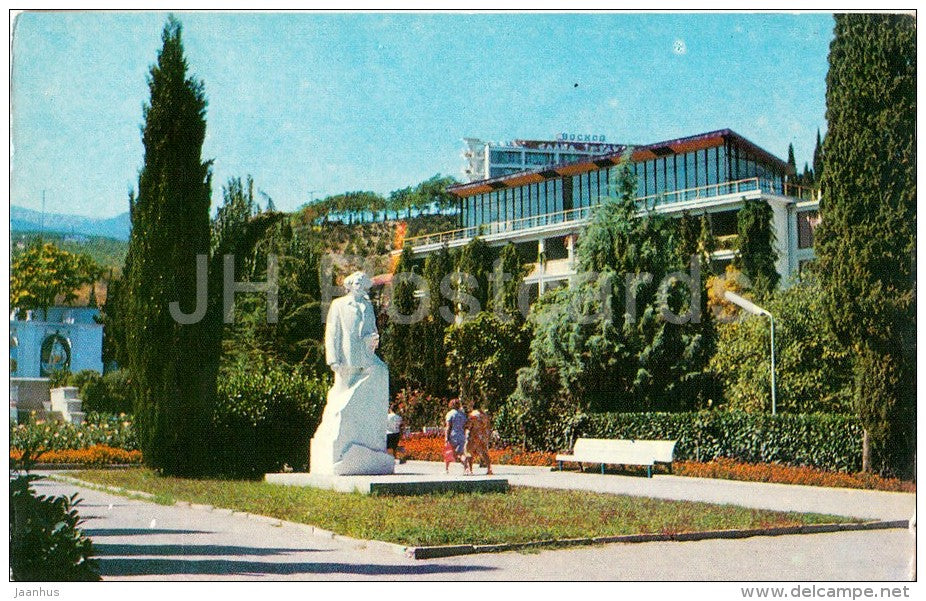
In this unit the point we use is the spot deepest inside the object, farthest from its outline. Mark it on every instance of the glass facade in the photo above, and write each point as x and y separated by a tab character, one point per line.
657	180
539	158
505	156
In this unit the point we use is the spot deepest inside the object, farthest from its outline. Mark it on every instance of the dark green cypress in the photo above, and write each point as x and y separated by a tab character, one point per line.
817	159
689	230
756	246
505	293
866	241
174	382
793	175
475	260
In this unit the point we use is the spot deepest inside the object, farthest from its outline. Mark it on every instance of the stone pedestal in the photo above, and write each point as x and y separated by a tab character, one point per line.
351	439
64	401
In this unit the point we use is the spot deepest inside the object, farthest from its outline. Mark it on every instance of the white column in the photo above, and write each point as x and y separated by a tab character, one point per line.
541	268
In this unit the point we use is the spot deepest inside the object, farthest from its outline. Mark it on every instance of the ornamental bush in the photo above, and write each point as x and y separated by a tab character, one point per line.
46	544
108	393
826	441
264	418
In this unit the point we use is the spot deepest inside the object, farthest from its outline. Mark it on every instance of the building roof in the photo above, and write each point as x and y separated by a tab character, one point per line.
639	153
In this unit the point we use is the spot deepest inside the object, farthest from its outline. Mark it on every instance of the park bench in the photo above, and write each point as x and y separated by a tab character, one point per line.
620	452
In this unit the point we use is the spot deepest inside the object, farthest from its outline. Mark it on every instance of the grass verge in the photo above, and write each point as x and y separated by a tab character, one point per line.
521	515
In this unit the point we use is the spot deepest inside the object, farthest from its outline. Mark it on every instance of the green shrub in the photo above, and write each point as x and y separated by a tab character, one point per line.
108	393
826	441
264	418
98	428
420	410
58	378
45	541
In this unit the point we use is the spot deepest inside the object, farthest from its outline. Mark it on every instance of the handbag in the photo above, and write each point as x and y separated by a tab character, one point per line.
449	454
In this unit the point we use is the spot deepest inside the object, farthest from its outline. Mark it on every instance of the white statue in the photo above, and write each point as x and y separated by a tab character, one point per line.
351	439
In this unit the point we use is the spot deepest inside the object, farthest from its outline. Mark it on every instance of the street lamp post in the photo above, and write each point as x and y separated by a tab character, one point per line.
751	307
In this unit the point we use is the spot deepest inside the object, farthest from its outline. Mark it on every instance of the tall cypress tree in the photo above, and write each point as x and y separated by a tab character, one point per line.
430	364
689	230
756	246
818	159
171	363
793	175
866	241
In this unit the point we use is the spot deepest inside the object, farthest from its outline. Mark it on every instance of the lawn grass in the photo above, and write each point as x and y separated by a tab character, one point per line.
521	515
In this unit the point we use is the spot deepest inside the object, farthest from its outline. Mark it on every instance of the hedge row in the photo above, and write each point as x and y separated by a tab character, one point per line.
825	441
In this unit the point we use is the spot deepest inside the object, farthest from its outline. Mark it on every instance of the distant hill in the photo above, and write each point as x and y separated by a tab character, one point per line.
27	220
109	253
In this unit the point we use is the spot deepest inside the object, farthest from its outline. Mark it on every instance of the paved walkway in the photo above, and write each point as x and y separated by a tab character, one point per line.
142	540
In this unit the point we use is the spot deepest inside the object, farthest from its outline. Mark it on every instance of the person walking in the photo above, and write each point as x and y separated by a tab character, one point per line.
393	433
478	434
454	434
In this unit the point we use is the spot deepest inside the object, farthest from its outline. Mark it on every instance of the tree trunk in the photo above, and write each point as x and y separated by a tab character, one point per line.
866	452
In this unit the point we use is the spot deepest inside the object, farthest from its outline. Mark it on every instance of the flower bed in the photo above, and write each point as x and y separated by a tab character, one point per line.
430	448
728	469
107	429
95	455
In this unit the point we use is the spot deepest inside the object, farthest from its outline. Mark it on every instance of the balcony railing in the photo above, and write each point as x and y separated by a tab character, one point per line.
581	214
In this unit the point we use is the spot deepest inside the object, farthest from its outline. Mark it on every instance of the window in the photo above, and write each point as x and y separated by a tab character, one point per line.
505	156
556	199
681	181
701	167
807	222
711	159
539	158
567	191
568	157
723	173
658	177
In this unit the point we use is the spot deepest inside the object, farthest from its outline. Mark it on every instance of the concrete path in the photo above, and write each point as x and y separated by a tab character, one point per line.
138	540
867	504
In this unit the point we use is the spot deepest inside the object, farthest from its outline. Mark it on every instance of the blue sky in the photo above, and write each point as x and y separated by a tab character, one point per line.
316	104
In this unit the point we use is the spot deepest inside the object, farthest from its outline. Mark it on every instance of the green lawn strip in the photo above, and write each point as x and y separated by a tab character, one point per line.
521	515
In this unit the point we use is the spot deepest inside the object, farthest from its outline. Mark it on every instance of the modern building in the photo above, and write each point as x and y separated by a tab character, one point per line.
543	209
484	160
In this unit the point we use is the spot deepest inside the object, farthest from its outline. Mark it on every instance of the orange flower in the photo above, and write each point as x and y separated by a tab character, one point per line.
95	455
729	469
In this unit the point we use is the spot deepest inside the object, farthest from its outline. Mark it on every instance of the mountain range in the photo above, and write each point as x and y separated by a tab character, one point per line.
28	220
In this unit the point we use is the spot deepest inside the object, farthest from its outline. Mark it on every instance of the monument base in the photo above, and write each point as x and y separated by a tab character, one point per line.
396	484
357	461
